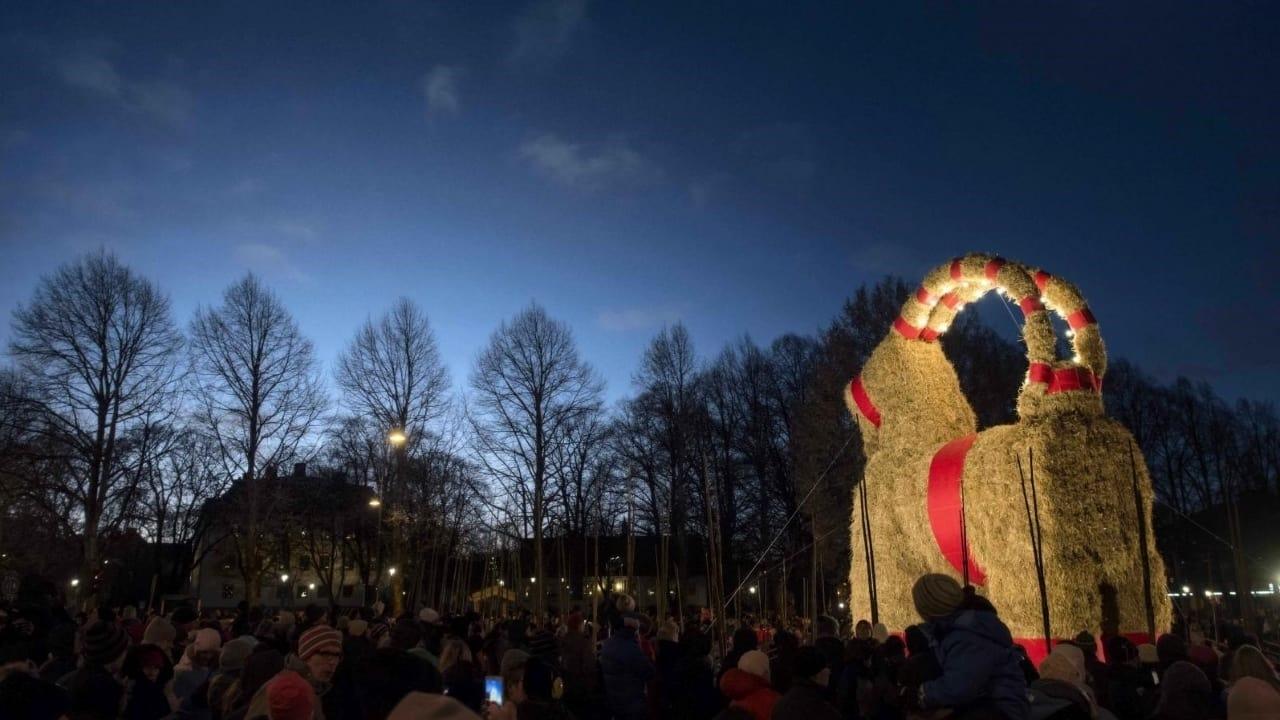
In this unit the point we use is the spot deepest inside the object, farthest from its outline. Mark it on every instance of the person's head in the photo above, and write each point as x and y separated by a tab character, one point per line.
1057	666
205	648
1184	692
862	630
183	618
1147	654
393	674
234	654
1087	644
826	626
810	665
105	645
669	631
406	635
1171	648
1253	699
290	697
160	632
1248	661
321	649
357	628
744	639
917	641
262	665
936	596
453	652
512	671
538	681
893	648
756	663
1121	651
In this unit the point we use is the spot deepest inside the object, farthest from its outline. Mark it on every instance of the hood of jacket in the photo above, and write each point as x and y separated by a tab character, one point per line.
985	625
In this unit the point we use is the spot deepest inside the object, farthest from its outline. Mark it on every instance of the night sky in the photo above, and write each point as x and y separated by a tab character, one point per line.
741	167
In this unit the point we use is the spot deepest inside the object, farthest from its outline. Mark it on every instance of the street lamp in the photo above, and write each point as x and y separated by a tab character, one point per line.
397	438
284	577
391	572
75	582
375	503
753	590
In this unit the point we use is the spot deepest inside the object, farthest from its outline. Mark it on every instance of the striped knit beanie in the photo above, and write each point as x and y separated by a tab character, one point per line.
936	596
319	639
104	643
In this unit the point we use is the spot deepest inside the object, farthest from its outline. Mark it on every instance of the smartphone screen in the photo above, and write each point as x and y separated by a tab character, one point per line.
493	689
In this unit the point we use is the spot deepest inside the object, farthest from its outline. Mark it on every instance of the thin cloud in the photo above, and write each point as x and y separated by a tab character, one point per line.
588	165
545	28
269	261
297	230
440	86
94	74
636	318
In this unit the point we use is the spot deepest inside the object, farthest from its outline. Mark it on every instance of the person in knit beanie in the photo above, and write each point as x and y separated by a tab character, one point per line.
290	697
317	658
980	666
230	664
95	689
747	685
147	670
1251	698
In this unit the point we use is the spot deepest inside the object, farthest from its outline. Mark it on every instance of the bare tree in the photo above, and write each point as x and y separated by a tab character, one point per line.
99	349
392	374
529	388
260	394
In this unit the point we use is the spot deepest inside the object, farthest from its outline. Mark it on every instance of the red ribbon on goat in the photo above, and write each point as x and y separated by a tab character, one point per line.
946	475
1064	379
863	401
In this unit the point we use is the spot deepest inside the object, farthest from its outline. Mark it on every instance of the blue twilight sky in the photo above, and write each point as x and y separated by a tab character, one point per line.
739	166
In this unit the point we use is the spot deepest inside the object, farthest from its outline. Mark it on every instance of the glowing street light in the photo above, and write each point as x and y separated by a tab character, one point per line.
533	579
375	503
397	438
75	582
391	572
284	577
311	586
502	583
841	605
618	586
753	590
1186	590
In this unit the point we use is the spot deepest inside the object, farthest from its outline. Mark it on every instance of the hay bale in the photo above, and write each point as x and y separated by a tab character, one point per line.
1087	510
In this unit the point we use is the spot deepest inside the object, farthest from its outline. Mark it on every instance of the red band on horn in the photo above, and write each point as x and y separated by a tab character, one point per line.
1030	304
1080	318
1064	379
951	300
928	334
957	272
924	297
993	268
863	401
946	475
906	329
1042	279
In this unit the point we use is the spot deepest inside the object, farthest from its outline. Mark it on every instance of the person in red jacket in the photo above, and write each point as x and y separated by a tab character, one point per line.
747	686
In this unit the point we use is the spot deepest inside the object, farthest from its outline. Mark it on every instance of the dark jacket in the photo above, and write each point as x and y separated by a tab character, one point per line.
1058	700
93	693
979	665
626	670
806	700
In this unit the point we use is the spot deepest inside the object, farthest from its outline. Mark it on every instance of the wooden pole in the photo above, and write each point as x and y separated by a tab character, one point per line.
1037	549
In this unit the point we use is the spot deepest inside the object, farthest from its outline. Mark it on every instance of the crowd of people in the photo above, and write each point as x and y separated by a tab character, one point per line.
958	662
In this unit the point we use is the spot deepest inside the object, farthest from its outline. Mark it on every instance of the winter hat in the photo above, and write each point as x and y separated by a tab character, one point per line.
104	643
1253	699
1074	655
356	628
1147	654
417	705
625	603
513	659
826	626
159	632
429	616
808	662
318	639
879	632
936	595
756	663
1056	666
207	640
290	697
669	631
234	655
